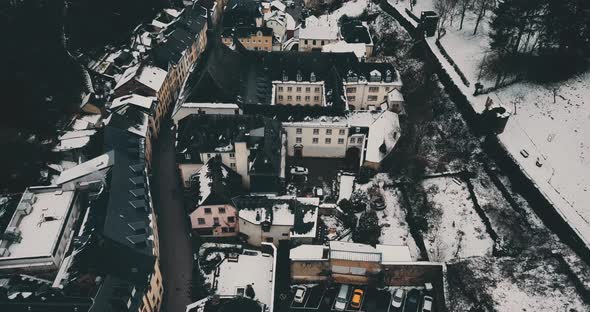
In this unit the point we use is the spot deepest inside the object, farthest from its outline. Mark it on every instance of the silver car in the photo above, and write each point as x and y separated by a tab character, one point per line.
398	298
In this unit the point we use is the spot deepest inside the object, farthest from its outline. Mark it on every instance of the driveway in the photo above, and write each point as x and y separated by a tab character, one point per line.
175	246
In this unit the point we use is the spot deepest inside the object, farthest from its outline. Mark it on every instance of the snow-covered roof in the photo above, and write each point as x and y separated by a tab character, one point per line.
359	49
385	131
395	96
354	252
40	229
346	186
308	252
74	140
152	77
96	164
251	268
128	74
173	12
279	5
76	134
205	180
86	122
140	101
291	24
392	253
319	29
210	105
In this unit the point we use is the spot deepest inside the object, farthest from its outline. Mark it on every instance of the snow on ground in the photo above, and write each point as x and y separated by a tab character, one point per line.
392	219
351	8
335	225
458	231
507	285
556	133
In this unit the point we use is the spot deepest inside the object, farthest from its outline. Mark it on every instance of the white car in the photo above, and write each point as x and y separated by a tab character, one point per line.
398	298
296	170
300	294
427	304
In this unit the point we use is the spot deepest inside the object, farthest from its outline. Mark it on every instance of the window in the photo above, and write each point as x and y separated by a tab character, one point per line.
215	221
317	89
314	42
307	98
208	155
221	210
305	41
298	140
316	131
298	98
289	98
359	140
341	131
268	239
328	141
316	98
289	89
233	165
298	130
350	90
207	210
232	155
340	141
373	89
231	219
387	88
329	131
372	98
201	220
224	230
352	140
322	42
315	141
351	98
307	89
281	89
231	230
385	98
285	234
298	89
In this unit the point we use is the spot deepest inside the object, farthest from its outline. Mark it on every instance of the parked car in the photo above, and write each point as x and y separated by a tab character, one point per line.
398	298
411	303
357	298
342	298
297	170
427	304
299	293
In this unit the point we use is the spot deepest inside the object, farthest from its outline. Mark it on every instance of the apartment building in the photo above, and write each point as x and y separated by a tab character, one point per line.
299	92
363	137
252	38
317	33
369	88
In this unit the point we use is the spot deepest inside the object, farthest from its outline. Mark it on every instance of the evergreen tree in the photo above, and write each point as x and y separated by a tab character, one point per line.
368	230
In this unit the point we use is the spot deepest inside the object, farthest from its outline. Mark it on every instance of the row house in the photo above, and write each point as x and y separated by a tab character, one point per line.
368	88
364	138
252	38
316	33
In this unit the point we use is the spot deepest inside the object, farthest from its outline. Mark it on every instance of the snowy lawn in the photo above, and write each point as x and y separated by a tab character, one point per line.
507	285
392	219
557	133
457	230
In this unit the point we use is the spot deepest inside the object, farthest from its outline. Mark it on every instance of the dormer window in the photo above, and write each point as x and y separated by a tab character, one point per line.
299	77
312	77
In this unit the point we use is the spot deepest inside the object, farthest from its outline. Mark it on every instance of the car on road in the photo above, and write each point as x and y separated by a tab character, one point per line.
299	294
398	298
427	304
342	298
411	304
357	298
298	170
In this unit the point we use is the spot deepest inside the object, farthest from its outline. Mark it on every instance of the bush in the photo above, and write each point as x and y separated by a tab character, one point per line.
346	206
242	304
350	220
359	200
368	230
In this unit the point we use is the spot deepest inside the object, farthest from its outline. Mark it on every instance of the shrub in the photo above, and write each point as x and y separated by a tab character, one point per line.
366	174
346	206
368	230
359	200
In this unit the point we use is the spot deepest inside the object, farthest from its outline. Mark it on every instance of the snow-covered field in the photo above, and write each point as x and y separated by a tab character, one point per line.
392	219
457	230
557	133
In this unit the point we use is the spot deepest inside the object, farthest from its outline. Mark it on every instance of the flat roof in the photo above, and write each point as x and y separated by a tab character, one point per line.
41	228
308	252
253	268
394	253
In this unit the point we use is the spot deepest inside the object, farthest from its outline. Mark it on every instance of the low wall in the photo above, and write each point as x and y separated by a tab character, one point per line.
417	274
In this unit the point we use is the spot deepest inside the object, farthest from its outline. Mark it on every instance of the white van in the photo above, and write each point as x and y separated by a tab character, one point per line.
342	298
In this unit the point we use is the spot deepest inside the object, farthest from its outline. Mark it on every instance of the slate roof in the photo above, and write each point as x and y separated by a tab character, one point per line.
217	183
245	31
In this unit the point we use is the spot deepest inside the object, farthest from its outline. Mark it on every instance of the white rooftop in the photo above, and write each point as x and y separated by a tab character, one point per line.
395	96
385	130
144	102
210	105
278	4
152	77
315	28
254	269
308	252
392	253
359	49
205	181
39	229
96	164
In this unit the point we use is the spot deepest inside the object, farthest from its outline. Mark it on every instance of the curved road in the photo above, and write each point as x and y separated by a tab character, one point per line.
176	259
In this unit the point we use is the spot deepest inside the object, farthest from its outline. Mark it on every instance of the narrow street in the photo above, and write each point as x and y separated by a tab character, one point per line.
175	245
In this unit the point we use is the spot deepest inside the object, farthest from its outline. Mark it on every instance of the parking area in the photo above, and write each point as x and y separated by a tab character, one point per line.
319	298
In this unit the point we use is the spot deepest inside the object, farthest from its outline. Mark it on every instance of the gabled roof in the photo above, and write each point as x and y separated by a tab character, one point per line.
217	183
150	76
140	101
101	162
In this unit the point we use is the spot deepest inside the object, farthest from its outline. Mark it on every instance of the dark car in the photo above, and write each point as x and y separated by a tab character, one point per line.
412	301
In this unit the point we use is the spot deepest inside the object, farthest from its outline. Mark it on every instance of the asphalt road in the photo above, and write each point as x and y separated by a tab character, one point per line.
175	246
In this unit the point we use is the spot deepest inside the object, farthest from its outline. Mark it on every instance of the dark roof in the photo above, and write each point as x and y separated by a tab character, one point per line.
355	32
207	4
204	133
223	187
246	31
241	13
193	18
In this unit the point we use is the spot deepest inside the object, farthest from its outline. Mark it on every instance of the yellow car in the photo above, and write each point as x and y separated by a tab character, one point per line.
357	298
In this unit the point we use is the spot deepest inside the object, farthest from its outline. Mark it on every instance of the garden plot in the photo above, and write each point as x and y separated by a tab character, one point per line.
456	230
507	284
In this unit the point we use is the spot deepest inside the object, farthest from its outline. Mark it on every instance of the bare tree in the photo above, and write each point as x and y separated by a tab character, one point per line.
463	5
482	6
445	9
